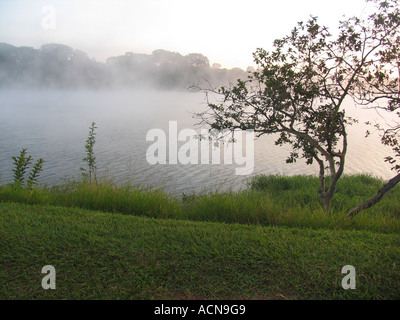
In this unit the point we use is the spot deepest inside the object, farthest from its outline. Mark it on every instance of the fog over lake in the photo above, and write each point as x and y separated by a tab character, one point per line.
54	125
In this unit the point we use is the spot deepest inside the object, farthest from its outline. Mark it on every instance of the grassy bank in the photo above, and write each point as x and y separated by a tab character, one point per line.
272	241
113	256
269	201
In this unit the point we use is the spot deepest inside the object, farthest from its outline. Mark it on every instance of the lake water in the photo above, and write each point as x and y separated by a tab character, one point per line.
54	125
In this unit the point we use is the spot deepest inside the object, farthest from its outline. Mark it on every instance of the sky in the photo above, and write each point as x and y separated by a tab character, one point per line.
225	31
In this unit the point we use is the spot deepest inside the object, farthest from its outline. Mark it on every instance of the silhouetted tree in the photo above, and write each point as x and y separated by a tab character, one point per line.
299	89
60	66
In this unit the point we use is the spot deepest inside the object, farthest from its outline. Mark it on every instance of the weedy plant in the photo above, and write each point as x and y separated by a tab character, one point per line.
33	178
21	164
89	174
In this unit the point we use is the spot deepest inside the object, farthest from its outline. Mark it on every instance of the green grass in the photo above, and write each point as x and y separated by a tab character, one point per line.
113	256
104	196
272	241
269	201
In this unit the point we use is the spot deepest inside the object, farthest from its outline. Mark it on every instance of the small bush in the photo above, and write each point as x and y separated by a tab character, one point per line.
21	164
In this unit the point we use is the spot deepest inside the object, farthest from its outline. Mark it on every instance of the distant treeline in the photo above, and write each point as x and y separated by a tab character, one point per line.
60	66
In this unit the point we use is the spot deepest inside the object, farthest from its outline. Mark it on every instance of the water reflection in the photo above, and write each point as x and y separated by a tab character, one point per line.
54	126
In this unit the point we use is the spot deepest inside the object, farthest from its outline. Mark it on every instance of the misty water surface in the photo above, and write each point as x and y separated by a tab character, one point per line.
54	125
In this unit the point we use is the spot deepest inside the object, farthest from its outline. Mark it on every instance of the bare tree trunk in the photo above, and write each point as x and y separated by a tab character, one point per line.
369	203
335	174
327	195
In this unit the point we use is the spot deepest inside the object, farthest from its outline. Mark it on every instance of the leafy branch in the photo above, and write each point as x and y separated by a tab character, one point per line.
90	173
21	164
